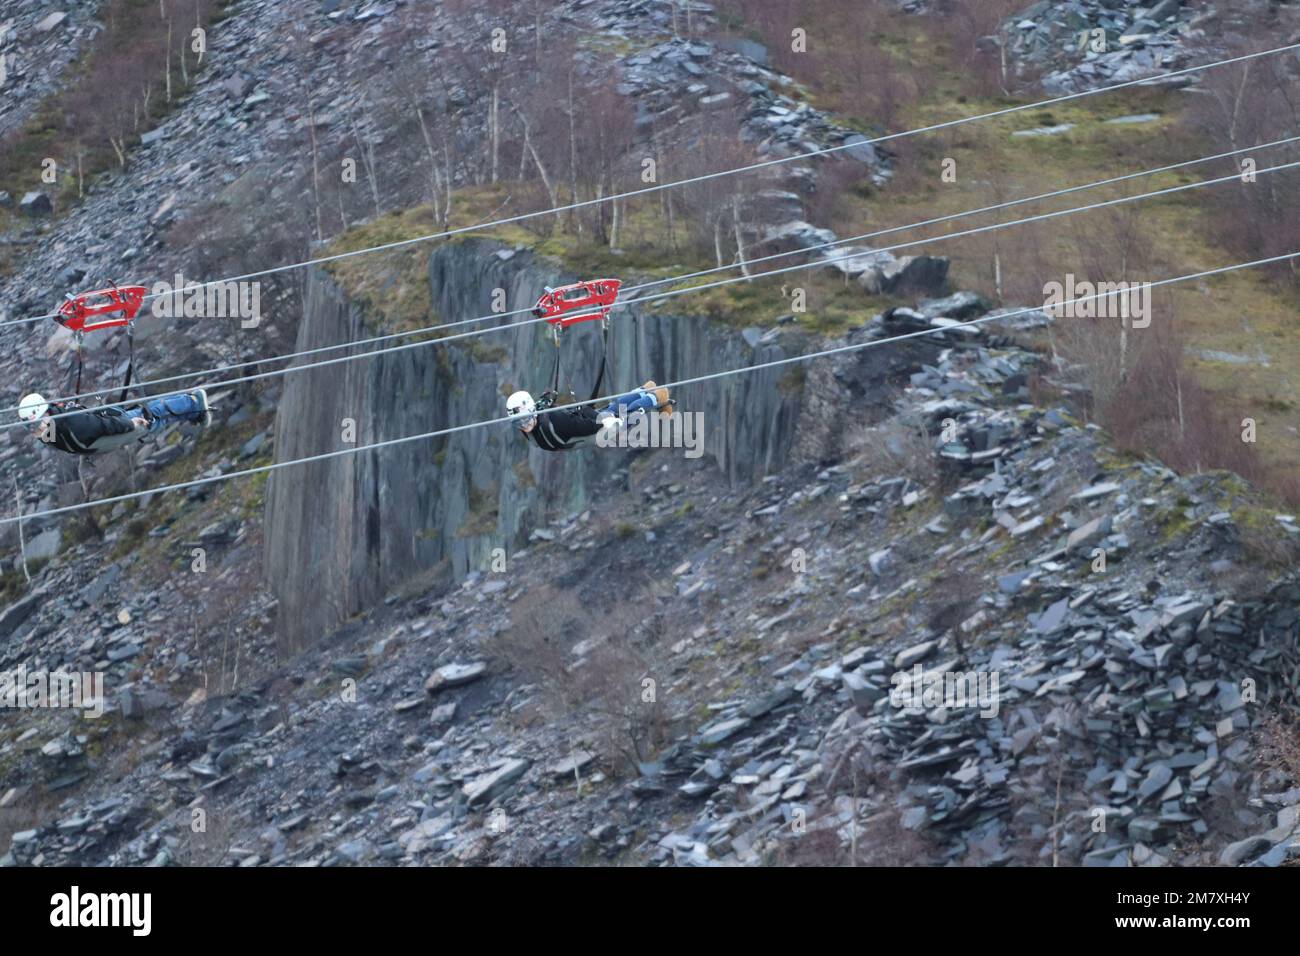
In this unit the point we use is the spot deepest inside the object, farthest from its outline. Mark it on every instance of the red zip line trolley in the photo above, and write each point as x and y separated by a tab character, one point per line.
595	295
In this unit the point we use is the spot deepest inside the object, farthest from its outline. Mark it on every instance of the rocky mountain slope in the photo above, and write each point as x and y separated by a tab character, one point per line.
510	719
36	45
466	651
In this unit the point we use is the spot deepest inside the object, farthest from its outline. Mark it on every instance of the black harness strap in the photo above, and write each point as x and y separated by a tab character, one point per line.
130	362
76	390
604	354
555	378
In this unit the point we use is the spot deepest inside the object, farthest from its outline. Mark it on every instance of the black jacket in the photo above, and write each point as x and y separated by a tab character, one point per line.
87	431
561	429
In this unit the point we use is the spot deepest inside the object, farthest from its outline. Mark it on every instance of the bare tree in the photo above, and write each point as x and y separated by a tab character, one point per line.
1250	103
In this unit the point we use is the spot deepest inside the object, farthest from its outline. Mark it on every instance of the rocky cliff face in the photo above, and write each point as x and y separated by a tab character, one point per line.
368	522
946	675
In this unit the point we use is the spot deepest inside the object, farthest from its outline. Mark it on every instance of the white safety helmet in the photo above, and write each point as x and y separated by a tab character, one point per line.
521	403
33	407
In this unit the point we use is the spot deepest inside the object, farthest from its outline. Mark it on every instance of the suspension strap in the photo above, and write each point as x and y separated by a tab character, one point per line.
555	377
76	390
130	361
604	355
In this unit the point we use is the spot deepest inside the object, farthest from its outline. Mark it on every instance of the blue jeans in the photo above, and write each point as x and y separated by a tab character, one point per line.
165	411
637	401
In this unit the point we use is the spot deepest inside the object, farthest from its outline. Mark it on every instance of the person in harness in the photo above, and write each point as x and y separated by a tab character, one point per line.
559	428
90	431
562	429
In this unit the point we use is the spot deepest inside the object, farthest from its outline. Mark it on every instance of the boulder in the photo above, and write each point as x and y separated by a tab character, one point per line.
1234	854
959	305
12	617
45	545
489	786
36	204
454	675
910	275
1088	534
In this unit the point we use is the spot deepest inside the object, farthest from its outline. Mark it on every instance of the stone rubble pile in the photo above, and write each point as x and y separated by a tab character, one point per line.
1141	38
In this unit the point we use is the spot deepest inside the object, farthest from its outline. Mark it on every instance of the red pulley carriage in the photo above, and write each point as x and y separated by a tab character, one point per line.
103	309
591	299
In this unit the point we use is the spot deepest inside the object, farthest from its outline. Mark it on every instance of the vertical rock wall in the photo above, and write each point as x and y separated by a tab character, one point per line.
342	532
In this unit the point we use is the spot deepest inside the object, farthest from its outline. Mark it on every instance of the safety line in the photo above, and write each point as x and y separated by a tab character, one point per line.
947	124
838	350
823	263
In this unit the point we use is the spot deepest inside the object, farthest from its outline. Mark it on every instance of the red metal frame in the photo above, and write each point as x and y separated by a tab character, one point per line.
599	294
122	303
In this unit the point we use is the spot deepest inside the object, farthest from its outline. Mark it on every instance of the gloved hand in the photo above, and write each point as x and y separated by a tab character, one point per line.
611	423
45	430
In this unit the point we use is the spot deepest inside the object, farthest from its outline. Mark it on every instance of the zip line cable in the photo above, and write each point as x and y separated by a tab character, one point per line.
693	275
838	350
699	288
934	127
961	215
